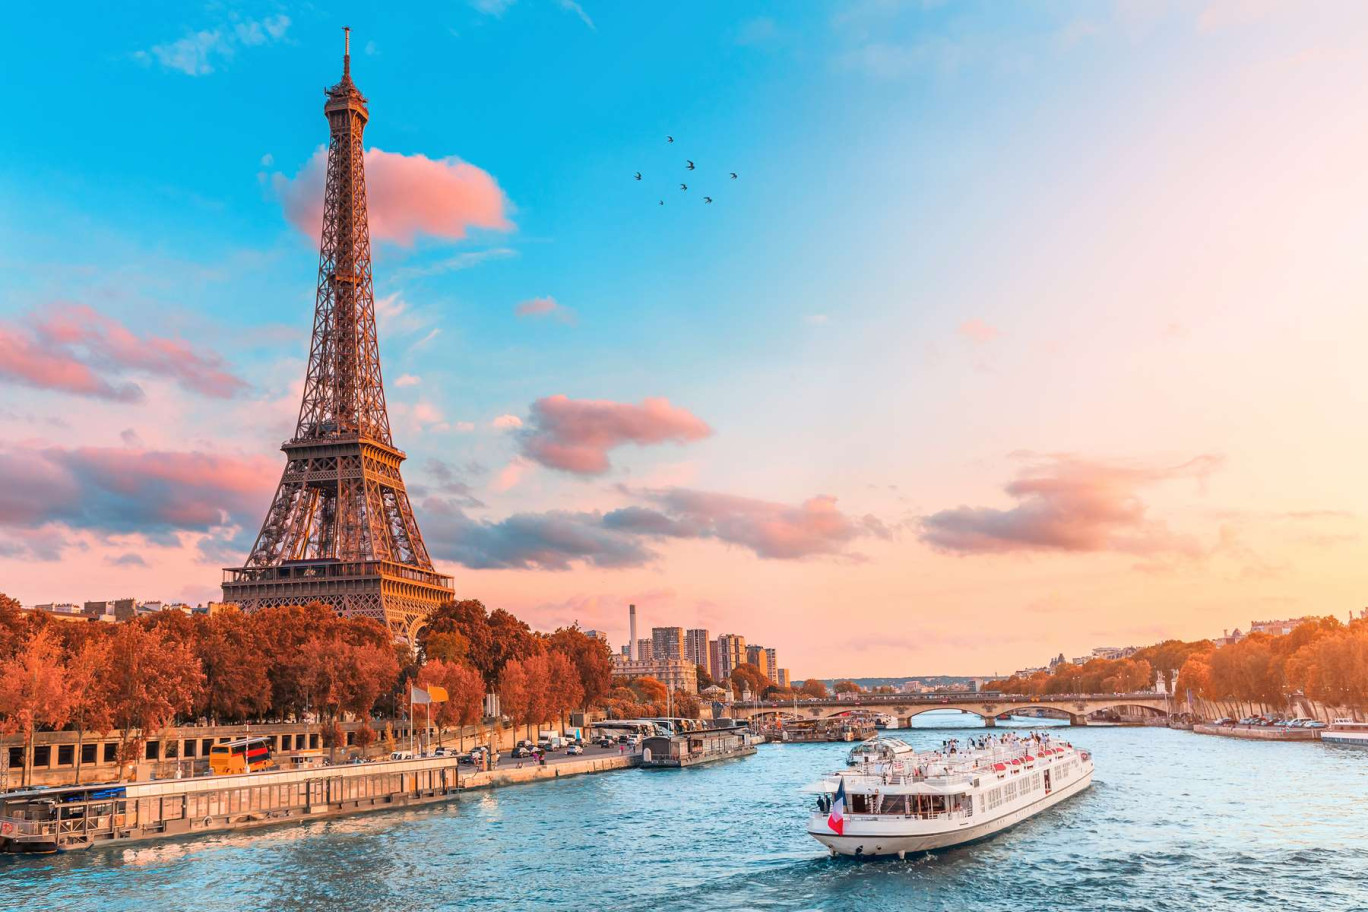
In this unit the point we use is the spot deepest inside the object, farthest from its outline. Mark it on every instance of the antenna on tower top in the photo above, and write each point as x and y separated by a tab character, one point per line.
346	54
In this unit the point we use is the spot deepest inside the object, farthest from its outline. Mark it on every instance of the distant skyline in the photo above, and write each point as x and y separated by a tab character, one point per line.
1022	329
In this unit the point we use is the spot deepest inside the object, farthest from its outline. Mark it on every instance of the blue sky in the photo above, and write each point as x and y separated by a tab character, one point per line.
971	245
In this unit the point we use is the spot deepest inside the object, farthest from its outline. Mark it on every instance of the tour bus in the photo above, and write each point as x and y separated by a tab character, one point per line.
245	755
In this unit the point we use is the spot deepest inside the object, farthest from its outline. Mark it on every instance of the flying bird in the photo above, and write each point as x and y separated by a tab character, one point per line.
683	186
638	175
662	202
669	139
707	199
689	166
733	176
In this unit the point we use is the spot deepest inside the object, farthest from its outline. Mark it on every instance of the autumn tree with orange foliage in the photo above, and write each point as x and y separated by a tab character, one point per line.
149	679
33	691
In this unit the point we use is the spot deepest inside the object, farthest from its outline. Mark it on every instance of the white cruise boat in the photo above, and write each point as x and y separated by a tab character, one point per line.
880	749
1346	731
885	720
890	802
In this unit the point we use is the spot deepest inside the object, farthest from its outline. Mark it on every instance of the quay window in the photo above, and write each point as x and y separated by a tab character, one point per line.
42	755
66	754
205	745
190	745
111	752
88	753
16	757
152	750
172	750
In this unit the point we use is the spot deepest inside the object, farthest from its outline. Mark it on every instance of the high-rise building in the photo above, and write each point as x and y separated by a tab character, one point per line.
759	657
772	663
696	647
783	678
714	662
731	652
644	653
667	643
340	529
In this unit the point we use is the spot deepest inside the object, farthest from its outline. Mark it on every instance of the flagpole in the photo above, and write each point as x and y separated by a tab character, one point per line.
410	719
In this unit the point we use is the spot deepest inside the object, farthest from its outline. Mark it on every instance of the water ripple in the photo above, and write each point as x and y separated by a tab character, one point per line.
1174	822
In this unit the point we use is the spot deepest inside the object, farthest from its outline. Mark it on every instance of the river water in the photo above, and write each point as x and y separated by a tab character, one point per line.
1173	821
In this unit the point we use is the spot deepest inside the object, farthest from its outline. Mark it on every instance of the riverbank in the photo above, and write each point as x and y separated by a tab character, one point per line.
532	772
1258	732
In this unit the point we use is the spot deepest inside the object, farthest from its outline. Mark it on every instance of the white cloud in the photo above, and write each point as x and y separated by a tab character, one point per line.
407	380
507	422
197	52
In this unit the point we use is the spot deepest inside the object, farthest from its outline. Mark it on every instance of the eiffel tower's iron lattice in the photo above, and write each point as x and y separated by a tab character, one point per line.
340	529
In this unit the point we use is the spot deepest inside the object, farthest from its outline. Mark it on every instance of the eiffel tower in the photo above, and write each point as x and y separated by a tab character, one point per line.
340	529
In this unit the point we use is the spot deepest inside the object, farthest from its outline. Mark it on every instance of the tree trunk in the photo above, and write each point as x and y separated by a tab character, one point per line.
27	778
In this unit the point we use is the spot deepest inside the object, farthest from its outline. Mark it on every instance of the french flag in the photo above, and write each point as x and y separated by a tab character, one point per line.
836	819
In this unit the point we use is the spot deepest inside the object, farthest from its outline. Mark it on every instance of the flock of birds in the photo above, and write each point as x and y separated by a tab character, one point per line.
688	166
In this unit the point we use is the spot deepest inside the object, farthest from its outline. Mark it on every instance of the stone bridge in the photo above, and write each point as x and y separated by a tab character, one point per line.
1075	707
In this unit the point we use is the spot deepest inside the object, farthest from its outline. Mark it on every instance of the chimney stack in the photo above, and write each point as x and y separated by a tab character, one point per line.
631	637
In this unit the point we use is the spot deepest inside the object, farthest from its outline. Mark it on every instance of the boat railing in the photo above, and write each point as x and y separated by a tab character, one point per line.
11	827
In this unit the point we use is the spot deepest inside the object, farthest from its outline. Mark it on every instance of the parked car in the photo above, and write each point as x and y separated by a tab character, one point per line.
574	750
521	752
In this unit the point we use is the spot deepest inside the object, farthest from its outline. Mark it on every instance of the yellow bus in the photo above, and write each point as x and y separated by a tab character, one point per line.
245	755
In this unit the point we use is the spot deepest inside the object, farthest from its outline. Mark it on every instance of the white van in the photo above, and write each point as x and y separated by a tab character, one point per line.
402	755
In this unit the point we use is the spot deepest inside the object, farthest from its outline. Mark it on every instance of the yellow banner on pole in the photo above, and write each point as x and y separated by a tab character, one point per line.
437	694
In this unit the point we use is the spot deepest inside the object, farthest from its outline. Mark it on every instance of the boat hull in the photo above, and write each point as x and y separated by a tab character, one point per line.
865	837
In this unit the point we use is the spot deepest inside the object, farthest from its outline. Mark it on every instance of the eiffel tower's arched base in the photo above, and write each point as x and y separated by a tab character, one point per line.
398	596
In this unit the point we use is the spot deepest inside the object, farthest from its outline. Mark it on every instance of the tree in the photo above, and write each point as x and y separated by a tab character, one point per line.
237	683
842	687
563	685
705	678
515	694
365	736
149	680
447	646
651	691
813	688
747	676
90	709
33	692
592	658
13	626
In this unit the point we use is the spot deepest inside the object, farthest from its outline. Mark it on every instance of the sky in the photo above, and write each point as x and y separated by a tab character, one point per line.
1022	329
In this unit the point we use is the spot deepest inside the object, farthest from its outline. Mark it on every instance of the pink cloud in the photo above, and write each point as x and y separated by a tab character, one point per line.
575	435
128	490
771	530
71	348
1067	504
546	307
976	330
407	195
26	361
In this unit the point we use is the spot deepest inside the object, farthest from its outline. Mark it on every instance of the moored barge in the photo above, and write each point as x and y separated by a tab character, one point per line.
61	819
695	747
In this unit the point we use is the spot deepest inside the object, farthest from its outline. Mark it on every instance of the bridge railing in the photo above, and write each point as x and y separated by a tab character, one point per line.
966	697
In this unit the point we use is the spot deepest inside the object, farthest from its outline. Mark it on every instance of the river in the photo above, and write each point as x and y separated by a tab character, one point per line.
1173	821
